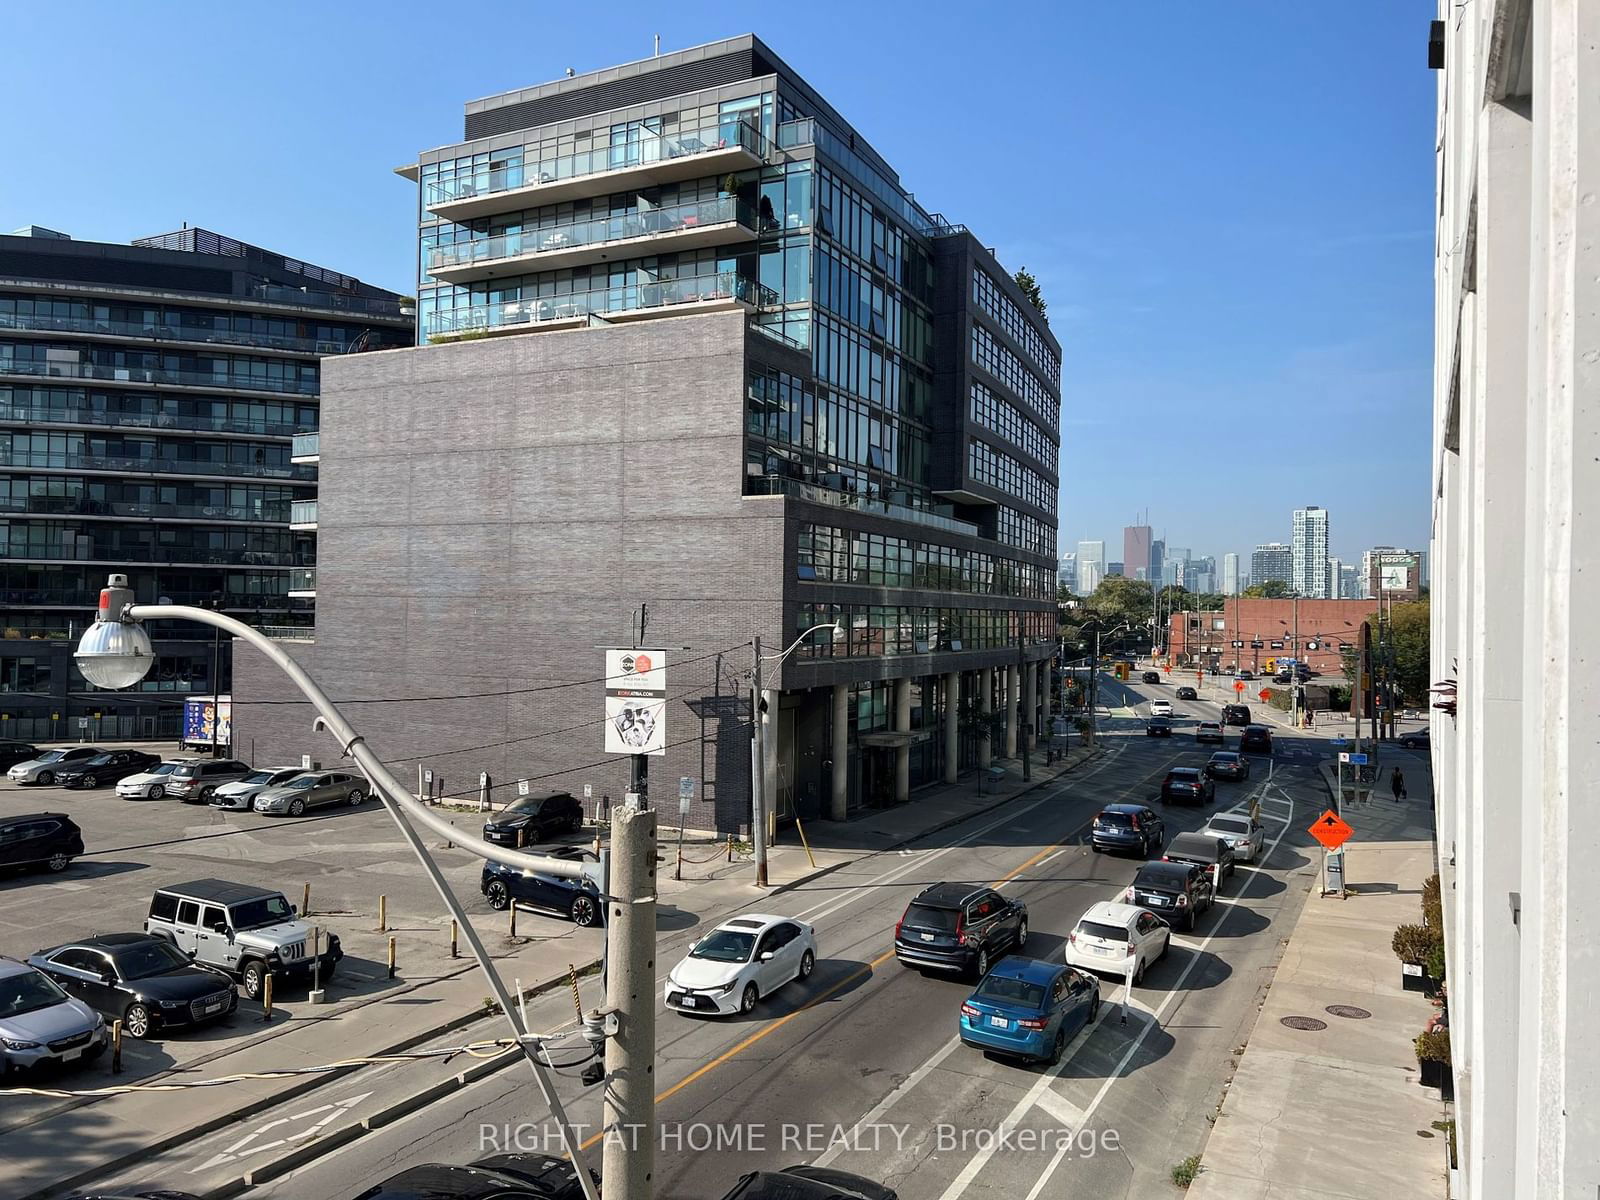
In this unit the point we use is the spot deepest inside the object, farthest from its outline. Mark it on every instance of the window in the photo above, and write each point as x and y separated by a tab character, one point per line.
188	912
215	919
164	907
79	960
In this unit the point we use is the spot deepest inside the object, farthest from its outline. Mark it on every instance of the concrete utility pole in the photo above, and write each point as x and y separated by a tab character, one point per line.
628	1155
758	807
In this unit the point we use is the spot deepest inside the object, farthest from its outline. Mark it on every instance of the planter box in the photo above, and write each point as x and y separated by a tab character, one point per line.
1437	1074
1414	977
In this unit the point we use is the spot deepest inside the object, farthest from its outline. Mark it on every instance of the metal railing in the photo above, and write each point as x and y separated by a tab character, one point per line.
329	300
165	555
83	370
530	243
136	464
267	512
770	485
646	148
303	579
303	512
305	445
129	420
288	633
169	332
725	285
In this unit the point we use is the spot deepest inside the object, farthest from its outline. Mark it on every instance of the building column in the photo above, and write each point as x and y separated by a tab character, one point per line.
902	753
839	801
952	739
1012	685
986	710
1041	727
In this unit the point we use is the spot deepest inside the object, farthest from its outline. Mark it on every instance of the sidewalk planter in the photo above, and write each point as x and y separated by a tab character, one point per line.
1414	977
1414	945
1433	1059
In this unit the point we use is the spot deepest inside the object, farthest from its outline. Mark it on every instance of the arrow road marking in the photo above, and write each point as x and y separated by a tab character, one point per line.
248	1144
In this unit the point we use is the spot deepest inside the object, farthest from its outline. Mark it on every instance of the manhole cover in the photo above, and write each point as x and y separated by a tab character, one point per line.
1310	1023
1348	1010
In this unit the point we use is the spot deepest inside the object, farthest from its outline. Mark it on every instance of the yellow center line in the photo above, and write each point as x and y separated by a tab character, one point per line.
766	1031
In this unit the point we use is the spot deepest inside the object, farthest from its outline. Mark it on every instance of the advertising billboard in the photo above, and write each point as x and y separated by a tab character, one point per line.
636	702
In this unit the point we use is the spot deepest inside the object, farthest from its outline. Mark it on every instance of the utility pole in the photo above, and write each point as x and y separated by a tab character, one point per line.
639	771
628	1155
758	788
1299	688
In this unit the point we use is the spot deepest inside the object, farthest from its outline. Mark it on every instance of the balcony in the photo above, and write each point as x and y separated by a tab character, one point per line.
331	301
132	464
230	383
652	231
82	549
168	333
303	582
699	293
303	515
268	513
288	633
771	485
132	420
305	448
654	158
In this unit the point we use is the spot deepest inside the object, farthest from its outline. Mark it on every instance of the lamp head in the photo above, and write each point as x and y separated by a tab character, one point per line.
114	652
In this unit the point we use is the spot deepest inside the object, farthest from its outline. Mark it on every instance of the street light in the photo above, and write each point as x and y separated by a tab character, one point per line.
115	652
758	790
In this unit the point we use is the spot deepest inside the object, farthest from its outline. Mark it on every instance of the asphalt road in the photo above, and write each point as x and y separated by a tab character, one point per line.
858	1067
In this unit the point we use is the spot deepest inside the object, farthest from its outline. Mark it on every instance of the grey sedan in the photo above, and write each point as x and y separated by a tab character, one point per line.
310	789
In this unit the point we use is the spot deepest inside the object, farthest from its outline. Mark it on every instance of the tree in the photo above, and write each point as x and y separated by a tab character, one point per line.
1030	289
1401	646
1272	589
1119	599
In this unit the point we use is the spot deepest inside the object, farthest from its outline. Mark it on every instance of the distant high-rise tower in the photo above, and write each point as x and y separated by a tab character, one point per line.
1091	566
1230	575
1334	566
1310	577
1136	550
1272	560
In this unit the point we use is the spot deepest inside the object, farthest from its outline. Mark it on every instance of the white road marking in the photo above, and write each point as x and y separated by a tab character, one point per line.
888	1102
248	1144
1062	1109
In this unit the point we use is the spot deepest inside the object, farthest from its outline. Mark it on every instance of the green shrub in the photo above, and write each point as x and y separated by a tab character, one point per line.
1434	1046
1432	904
1435	962
1413	943
1187	1171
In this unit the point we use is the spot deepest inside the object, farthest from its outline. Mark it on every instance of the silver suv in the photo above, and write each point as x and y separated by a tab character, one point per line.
198	781
249	932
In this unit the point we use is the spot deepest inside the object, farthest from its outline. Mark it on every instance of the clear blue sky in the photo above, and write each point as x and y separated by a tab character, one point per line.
1229	206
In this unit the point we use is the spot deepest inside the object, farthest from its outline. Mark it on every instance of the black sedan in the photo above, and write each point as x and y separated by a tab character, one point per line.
146	982
110	767
1417	739
575	898
1150	677
808	1183
498	1177
1228	764
12	753
1158	727
534	818
1188	693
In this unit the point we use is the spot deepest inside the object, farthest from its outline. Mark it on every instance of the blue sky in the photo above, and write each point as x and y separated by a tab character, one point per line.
1229	206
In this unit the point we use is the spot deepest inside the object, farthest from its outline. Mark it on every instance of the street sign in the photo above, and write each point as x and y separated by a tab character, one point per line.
522	788
1340	741
305	764
1257	645
685	794
1355	760
1238	645
1277	645
1331	830
1238	686
588	791
1264	695
427	775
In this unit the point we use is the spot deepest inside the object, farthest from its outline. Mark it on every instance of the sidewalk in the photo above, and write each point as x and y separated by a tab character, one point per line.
1336	1113
87	1139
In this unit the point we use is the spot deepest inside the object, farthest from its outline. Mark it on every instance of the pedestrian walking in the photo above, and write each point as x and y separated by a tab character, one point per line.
1397	785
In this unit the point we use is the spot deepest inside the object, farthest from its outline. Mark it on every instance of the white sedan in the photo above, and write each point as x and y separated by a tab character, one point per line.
1112	938
739	962
1161	708
1245	835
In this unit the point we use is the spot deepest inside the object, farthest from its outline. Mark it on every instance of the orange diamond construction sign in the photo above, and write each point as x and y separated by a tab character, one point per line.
1331	830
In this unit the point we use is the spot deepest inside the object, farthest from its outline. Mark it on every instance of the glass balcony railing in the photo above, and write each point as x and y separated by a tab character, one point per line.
642	149
132	420
726	285
268	513
166	332
305	445
530	243
137	464
84	597
771	485
796	133
303	579
82	370
134	555
330	300
288	633
303	512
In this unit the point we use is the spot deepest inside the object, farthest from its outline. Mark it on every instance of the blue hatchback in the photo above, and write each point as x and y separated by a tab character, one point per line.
1029	1008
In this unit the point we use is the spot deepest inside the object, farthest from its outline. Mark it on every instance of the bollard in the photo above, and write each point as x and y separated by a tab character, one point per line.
513	910
383	914
305	900
453	932
266	997
391	958
677	870
116	1047
730	847
316	995
577	1002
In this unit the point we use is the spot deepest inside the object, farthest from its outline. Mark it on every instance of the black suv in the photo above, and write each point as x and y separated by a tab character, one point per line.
46	839
1256	737
1235	714
1151	677
1187	785
1176	892
578	899
959	927
1158	727
111	767
1127	827
533	818
11	753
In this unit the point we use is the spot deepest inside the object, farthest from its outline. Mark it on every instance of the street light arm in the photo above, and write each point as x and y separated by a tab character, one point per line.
352	744
792	645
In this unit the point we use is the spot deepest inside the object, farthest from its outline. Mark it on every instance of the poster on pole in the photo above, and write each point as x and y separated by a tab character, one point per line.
636	702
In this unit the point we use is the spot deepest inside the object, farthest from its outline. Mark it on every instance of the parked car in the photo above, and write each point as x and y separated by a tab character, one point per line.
1235	714
1028	1008
110	767
1113	937
1158	727
247	932
151	783
534	818
311	789
1161	708
575	898
40	1023
1188	693
1134	827
1244	833
740	961
146	982
42	770
1150	677
1186	785
1228	764
1247	676
45	839
12	753
807	1183
1256	738
242	793
959	927
1213	852
199	779
1417	739
1176	892
1208	731
498	1177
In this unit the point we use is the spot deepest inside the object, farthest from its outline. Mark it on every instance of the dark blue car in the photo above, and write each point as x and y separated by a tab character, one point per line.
1028	1008
578	899
1132	827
